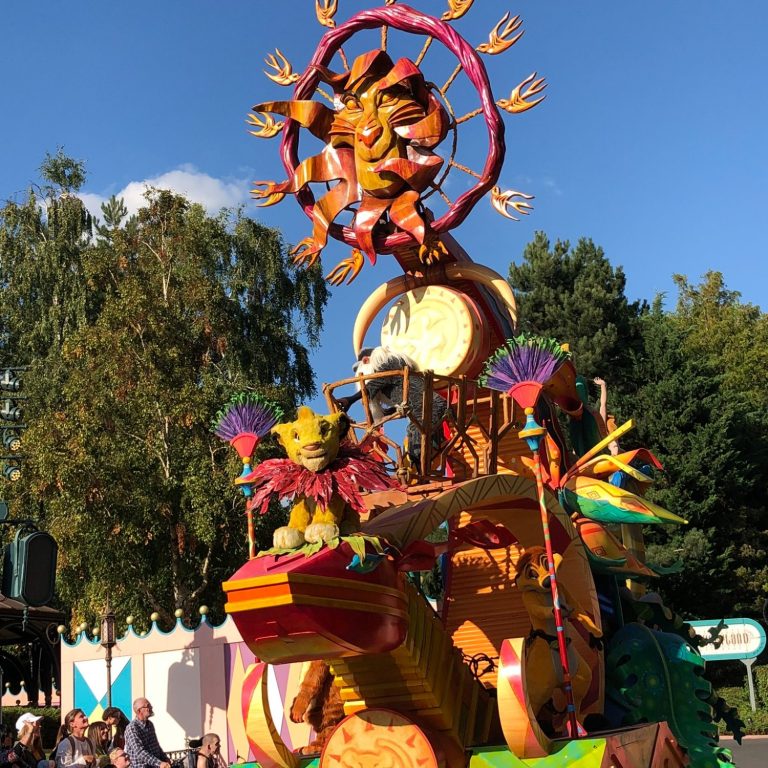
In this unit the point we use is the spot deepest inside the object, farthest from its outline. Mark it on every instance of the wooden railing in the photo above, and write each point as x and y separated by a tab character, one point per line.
481	435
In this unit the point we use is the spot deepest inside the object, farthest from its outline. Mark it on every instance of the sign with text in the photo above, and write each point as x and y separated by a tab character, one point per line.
739	639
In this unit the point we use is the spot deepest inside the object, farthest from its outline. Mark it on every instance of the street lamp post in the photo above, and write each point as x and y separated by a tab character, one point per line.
108	642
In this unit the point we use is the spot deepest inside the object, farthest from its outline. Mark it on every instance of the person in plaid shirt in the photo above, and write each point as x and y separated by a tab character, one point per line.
141	742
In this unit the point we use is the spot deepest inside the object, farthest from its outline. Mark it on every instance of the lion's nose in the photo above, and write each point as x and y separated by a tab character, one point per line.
370	133
311	447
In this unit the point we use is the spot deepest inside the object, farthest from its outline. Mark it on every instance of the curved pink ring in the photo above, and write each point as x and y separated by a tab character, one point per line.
405	19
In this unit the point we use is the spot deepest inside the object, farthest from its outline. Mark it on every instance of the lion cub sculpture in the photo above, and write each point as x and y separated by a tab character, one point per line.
542	653
323	476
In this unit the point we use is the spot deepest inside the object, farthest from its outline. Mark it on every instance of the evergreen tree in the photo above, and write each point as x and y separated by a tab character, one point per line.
731	336
156	322
693	380
577	297
714	448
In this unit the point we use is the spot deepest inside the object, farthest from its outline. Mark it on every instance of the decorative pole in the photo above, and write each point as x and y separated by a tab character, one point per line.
108	641
521	368
243	422
532	434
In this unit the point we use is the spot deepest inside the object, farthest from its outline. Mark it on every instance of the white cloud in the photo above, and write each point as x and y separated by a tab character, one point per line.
92	202
199	187
553	186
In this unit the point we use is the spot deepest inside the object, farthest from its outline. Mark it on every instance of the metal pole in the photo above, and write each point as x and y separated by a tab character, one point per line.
748	664
107	642
532	434
109	675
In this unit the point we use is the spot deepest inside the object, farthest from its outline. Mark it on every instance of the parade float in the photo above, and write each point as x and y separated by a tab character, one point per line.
543	647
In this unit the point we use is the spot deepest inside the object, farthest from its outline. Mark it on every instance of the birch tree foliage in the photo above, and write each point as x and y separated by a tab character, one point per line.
161	318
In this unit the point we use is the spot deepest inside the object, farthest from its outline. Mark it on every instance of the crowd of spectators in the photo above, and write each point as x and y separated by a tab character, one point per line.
114	742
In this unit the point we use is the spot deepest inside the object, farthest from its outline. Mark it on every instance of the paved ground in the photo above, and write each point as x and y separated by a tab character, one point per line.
753	752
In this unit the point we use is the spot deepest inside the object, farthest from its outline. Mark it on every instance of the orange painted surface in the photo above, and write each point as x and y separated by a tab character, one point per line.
425	678
378	737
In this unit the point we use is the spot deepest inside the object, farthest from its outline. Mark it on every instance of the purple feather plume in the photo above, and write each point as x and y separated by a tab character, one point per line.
246	412
523	358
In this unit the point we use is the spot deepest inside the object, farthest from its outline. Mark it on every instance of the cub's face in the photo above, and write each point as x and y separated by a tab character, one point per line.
313	441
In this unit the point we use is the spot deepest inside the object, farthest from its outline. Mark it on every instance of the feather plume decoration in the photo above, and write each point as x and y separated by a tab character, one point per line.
522	366
352	470
244	420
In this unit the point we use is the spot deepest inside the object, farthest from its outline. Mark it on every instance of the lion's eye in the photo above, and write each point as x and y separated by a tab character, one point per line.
350	102
387	97
296	436
323	429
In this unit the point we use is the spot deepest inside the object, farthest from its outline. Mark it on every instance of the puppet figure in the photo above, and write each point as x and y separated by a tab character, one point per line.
318	703
386	394
542	656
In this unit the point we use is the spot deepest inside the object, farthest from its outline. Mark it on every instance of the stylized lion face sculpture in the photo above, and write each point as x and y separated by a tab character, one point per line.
386	113
379	143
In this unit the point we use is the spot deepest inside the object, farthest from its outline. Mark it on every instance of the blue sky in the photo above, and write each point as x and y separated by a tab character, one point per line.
651	141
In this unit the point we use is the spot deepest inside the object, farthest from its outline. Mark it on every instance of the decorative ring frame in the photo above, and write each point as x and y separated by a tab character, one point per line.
414	22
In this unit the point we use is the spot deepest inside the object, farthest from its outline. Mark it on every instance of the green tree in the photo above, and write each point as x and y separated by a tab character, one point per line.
577	296
714	448
42	244
730	335
173	311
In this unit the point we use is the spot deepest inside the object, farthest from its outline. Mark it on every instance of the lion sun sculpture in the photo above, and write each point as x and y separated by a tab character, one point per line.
378	150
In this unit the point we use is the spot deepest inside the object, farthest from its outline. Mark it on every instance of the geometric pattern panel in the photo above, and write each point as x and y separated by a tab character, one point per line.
91	686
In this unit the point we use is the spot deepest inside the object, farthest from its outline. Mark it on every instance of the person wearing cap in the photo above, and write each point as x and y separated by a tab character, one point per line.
28	750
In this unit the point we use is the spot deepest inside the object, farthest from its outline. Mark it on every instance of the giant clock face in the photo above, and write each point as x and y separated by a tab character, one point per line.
378	738
437	327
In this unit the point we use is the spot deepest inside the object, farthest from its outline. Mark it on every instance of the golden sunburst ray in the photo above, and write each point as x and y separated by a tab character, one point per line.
325	11
516	103
302	253
348	269
499	40
464	168
449	81
456	9
268	196
266	124
517	201
423	51
469	116
284	74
